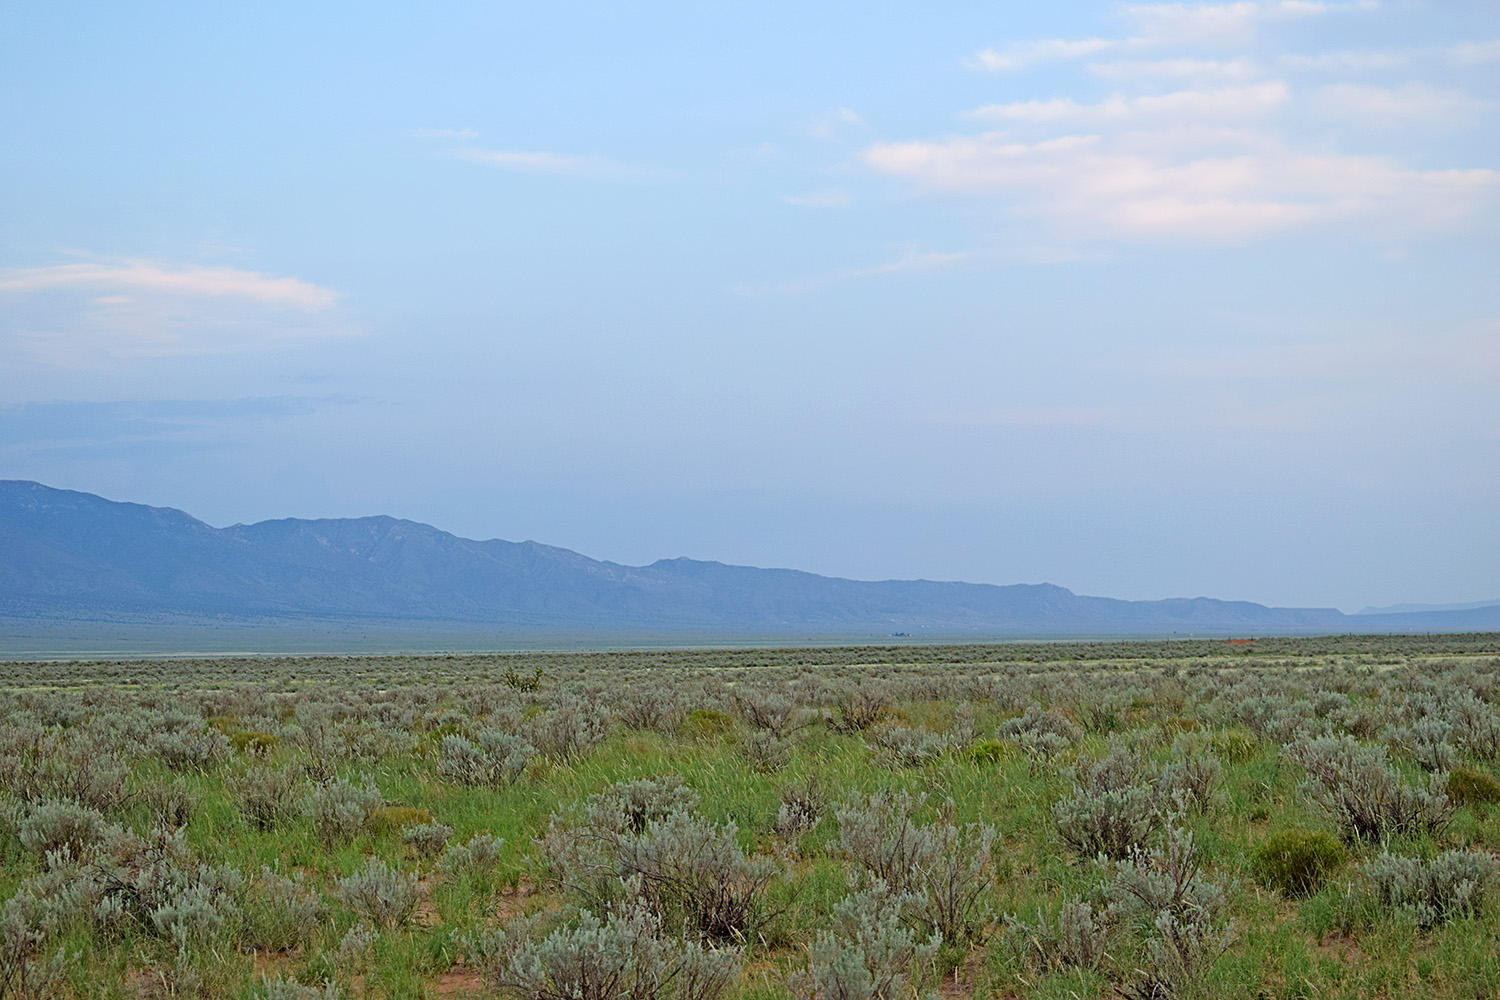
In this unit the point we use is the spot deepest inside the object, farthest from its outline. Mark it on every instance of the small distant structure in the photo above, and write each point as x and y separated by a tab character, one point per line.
1239	642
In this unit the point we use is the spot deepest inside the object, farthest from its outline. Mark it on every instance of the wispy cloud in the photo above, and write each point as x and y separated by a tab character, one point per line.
827	198
153	277
1476	53
1228	102
1408	104
1218	160
910	260
559	164
835	122
1143	187
85	314
1182	68
1157	25
1224	23
1024	55
1347	61
445	133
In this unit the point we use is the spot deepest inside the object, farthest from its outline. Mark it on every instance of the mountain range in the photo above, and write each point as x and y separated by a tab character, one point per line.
71	556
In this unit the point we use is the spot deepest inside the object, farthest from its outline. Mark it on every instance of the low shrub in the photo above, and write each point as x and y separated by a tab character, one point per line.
491	760
1468	787
621	957
1357	787
989	752
383	895
268	796
1076	935
937	873
1453	884
1110	811
479	855
765	751
868	954
342	810
427	839
391	818
1297	862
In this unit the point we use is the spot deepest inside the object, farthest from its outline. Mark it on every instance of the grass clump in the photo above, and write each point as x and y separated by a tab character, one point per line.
1468	787
1297	862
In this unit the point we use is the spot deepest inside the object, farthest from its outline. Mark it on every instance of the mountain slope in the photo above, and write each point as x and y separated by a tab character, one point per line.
69	554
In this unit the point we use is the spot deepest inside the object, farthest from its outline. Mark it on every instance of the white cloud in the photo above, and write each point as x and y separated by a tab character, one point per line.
152	277
1347	61
1024	55
1164	24
830	125
1223	23
1409	104
560	164
1475	53
1178	69
1228	102
85	314
910	260
1135	187
828	198
445	133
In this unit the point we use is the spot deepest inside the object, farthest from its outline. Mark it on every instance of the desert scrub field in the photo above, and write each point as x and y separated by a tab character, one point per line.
1288	818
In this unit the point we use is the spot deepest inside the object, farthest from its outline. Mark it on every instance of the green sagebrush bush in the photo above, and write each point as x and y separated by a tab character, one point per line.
26	971
765	751
279	912
1182	910
1297	862
427	839
383	895
1110	810
868	954
802	806
937	873
479	855
279	988
268	797
570	728
643	836
1041	734
1077	935
64	825
341	809
1453	884
492	759
623	956
1357	787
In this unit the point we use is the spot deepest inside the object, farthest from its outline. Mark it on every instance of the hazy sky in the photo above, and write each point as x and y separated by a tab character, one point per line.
1143	299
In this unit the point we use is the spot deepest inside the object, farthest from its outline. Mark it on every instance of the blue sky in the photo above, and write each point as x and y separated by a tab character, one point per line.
1144	299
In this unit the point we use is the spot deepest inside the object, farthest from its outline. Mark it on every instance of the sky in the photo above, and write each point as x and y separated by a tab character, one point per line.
1142	299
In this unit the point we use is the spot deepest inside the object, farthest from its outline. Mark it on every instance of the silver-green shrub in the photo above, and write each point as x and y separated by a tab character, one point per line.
1453	884
868	954
1110	810
492	759
1357	787
383	895
341	809
621	957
